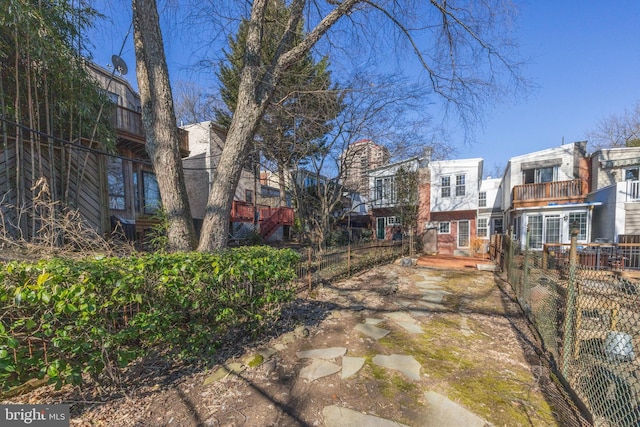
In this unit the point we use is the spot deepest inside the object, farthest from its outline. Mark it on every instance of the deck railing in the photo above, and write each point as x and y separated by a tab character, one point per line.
548	191
130	121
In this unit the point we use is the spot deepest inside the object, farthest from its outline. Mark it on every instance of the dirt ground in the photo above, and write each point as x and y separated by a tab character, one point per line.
476	349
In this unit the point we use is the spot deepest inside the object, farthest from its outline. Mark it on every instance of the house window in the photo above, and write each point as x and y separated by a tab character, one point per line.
390	184
445	184
379	189
631	174
535	231
540	175
552	229
385	191
497	226
463	234
579	220
310	181
516	229
482	227
150	193
482	199
114	97
460	186
115	178
444	228
393	220
248	196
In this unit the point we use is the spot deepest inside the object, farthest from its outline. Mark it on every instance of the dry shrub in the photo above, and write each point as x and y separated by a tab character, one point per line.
58	230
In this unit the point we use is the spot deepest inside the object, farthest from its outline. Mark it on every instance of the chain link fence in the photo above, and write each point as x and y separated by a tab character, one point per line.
584	304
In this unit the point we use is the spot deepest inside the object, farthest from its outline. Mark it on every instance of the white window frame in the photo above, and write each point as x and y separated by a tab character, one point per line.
536	230
445	187
393	220
482	199
467	236
444	227
461	185
582	223
632	174
482	227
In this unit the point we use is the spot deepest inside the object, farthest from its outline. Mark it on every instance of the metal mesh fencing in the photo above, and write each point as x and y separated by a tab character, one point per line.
318	266
587	315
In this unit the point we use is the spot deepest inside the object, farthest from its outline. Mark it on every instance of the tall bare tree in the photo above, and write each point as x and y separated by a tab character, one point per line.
457	29
460	45
618	130
159	120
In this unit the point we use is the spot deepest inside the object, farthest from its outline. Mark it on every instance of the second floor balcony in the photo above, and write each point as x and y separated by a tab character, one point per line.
528	195
128	124
632	191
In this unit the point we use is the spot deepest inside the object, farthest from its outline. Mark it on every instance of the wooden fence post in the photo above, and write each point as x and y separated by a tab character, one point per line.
568	327
524	293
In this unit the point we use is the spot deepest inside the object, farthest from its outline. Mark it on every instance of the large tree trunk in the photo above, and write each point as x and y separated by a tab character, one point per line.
215	226
159	120
282	183
253	94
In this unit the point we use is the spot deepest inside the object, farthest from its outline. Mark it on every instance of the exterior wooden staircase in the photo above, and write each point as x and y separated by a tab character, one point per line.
270	219
277	218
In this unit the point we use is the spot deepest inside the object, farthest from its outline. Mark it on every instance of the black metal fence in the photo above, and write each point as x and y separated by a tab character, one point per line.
319	266
585	306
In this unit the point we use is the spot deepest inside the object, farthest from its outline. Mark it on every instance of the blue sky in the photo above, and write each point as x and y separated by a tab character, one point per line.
583	60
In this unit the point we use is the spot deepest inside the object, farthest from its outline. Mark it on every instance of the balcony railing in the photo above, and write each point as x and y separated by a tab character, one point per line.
548	192
130	122
633	191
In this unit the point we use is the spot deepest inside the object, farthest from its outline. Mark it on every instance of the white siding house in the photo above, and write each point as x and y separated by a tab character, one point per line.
545	193
615	184
455	188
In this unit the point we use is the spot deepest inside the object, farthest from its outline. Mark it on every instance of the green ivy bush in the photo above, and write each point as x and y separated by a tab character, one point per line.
65	318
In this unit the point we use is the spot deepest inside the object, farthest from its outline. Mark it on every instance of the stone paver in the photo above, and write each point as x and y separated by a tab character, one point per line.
464	327
351	366
442	412
372	331
336	416
434	295
318	369
323	353
400	362
400	316
431	305
411	327
439	410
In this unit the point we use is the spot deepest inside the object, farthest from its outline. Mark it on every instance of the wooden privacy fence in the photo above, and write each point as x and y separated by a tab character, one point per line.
36	170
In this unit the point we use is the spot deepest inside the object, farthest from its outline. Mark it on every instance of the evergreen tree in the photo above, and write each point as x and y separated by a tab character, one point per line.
302	107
